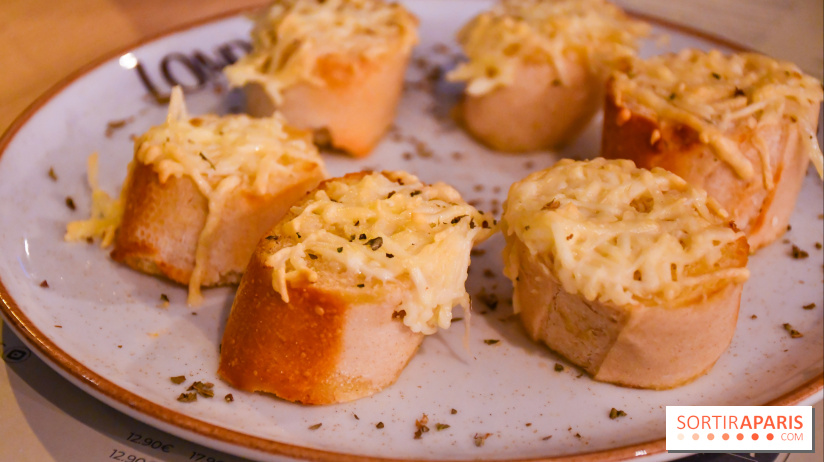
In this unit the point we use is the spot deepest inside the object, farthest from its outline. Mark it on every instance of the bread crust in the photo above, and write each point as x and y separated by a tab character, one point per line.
644	346
162	222
351	110
636	133
535	111
327	345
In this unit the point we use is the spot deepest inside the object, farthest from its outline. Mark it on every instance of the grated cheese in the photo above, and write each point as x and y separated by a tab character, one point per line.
616	233
713	94
222	156
353	228
106	212
291	38
543	31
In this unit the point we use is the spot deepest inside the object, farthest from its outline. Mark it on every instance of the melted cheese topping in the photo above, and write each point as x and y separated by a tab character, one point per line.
385	227
544	31
292	36
106	213
714	94
251	153
223	156
616	233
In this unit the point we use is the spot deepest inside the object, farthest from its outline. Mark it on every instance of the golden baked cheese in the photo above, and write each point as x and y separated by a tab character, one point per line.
386	226
616	233
291	37
221	155
543	31
712	93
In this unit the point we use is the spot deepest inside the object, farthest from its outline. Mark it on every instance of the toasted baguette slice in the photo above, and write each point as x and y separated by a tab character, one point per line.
339	295
750	145
632	275
350	110
202	191
536	69
335	68
648	346
329	344
162	224
533	113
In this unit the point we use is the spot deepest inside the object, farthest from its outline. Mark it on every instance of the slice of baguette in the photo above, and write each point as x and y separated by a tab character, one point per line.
756	165
648	346
350	110
536	69
335	68
162	224
201	191
536	111
632	275
339	295
632	132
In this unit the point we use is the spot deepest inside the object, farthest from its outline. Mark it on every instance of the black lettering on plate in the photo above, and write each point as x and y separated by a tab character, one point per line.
192	71
187	74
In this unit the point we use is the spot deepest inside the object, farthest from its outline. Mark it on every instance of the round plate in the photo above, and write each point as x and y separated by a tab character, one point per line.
103	326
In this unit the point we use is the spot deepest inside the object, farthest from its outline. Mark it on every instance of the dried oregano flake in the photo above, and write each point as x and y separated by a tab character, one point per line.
615	413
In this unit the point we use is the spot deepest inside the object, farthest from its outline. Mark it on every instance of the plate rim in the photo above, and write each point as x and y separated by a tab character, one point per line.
126	401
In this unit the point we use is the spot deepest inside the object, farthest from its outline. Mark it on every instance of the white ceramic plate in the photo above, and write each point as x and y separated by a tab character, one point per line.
100	324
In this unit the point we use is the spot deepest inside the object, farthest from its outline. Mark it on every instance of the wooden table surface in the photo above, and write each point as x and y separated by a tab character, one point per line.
44	41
